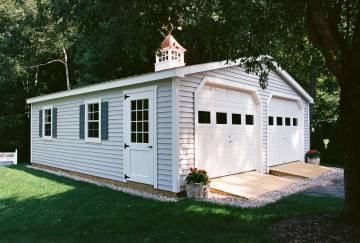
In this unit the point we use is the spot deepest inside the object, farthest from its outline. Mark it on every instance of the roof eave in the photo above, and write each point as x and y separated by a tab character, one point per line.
170	73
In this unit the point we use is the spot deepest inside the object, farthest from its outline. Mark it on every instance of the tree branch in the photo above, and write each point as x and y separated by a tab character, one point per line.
47	63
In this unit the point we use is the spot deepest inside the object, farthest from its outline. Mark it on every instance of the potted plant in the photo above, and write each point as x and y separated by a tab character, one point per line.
313	157
197	184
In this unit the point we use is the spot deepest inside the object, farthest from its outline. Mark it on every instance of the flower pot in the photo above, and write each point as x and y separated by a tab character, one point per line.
197	190
314	161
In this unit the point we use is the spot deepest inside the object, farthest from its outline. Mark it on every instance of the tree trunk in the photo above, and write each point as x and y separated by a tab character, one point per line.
66	70
312	89
350	131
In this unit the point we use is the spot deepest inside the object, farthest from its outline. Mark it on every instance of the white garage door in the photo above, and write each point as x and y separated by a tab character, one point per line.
284	131
226	131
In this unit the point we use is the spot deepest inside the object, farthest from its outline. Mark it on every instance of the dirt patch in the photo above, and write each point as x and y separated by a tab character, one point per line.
324	228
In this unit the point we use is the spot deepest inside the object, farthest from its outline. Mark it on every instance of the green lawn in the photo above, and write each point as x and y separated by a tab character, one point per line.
39	207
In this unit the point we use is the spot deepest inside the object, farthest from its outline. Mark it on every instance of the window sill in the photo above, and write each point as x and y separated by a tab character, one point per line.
47	138
92	140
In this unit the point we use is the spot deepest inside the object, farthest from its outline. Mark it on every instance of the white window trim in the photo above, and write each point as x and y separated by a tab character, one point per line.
50	107
87	139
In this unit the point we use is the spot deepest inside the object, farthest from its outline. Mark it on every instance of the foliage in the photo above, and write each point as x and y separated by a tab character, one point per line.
40	207
312	154
197	176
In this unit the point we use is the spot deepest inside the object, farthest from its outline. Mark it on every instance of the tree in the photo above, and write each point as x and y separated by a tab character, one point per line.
255	28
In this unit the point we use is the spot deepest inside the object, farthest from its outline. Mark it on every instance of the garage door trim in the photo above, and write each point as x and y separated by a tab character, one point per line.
274	94
221	83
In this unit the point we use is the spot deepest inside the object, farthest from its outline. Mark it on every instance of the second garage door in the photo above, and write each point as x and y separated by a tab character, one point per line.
226	131
284	131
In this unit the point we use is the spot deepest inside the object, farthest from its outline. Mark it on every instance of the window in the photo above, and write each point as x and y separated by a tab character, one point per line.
271	120
221	118
204	117
47	123
249	119
163	56
140	121
93	121
287	121
236	119
175	56
295	122
279	121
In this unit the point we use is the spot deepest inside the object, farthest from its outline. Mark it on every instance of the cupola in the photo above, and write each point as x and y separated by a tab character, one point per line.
170	55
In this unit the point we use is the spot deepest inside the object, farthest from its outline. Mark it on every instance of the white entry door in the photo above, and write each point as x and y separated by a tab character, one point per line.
226	131
139	136
284	131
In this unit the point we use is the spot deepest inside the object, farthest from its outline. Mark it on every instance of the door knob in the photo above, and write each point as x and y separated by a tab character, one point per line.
149	146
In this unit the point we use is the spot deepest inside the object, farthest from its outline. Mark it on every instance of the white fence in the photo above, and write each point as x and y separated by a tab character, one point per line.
9	157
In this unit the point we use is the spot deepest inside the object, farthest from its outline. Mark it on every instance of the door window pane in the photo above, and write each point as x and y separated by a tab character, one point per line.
140	121
236	119
204	117
221	118
249	119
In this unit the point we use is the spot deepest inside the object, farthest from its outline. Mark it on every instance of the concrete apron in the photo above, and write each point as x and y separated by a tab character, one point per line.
299	169
252	184
248	185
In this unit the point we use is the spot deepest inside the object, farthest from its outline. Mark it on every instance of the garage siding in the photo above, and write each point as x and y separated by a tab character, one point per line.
186	88
105	160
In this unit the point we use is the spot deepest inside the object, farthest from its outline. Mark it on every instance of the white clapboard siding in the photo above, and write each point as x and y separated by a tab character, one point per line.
104	159
186	87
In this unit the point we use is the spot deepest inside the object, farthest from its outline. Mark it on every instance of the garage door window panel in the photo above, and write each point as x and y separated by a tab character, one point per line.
221	118
249	119
236	119
295	122
271	120
287	121
204	117
279	121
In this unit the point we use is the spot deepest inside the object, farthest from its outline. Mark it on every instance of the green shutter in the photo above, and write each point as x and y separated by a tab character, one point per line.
40	122
82	122
104	120
54	123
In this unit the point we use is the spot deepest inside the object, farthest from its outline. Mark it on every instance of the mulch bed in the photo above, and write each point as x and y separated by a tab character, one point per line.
323	228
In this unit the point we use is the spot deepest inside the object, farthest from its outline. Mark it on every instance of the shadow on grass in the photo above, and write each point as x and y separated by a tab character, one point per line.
36	206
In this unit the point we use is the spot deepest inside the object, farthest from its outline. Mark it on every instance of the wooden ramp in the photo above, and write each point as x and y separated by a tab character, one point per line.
299	169
248	185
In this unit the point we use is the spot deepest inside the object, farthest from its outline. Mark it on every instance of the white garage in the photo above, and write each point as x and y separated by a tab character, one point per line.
150	129
226	131
284	131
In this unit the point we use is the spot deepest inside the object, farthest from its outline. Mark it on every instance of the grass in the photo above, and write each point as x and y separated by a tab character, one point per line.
39	207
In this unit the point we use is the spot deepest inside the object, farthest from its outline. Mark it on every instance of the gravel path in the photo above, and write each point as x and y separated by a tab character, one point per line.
314	185
335	189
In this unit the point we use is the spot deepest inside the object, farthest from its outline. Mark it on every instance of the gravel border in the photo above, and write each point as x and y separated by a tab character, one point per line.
300	185
130	191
